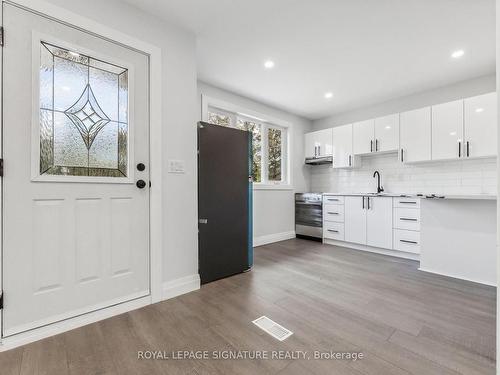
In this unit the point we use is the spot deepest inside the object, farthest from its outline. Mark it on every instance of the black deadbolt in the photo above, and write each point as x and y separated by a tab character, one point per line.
141	184
141	167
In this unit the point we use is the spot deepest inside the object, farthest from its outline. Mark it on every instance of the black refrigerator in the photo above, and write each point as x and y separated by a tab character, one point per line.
225	244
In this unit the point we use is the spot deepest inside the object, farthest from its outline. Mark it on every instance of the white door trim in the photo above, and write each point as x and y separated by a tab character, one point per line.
155	91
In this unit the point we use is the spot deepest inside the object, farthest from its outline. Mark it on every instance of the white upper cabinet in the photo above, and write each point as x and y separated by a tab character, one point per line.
386	133
480	130
415	135
447	130
363	135
342	147
318	143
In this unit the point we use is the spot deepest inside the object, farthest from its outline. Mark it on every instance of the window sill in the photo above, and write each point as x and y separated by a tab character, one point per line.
272	187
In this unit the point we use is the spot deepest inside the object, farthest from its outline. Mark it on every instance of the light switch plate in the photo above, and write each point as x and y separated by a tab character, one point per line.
176	166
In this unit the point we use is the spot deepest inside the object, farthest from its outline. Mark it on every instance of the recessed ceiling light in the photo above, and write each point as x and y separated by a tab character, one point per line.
328	95
388	127
458	53
479	110
269	64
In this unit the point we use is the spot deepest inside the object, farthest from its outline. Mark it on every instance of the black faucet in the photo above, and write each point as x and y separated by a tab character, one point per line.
379	188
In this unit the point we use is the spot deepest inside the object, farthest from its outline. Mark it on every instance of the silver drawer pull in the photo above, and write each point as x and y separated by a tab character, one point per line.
407	202
412	242
407	219
333	199
333	213
332	230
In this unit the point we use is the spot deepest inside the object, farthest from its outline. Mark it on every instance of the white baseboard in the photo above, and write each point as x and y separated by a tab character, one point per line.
69	324
371	249
270	238
180	286
489	283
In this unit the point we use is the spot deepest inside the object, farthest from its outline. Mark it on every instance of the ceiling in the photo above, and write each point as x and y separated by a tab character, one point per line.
363	51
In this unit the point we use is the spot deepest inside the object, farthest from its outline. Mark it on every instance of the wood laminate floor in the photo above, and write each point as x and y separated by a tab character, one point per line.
404	322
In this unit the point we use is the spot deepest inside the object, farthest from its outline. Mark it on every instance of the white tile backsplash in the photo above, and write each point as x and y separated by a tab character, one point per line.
471	176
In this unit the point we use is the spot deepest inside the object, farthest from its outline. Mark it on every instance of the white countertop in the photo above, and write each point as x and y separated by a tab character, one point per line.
452	196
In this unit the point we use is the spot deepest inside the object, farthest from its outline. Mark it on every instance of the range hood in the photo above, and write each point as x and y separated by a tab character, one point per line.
319	160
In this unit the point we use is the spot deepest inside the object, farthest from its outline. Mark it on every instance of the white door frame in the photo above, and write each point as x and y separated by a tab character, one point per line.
156	218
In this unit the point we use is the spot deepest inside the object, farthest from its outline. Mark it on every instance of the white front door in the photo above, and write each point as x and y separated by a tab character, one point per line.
75	128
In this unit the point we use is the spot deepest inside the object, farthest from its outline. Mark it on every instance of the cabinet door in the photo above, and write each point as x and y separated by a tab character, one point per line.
447	130
387	133
342	146
481	125
415	135
363	137
310	145
324	138
355	220
379	222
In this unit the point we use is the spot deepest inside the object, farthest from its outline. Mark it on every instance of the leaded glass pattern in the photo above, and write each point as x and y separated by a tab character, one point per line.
83	115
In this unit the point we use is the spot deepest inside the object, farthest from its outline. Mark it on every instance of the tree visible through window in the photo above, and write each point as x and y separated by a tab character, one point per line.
274	154
264	137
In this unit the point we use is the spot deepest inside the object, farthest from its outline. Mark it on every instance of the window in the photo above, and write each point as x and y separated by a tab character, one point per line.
83	115
268	145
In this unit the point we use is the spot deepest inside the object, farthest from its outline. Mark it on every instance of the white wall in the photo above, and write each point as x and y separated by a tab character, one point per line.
180	241
472	87
451	177
446	177
273	209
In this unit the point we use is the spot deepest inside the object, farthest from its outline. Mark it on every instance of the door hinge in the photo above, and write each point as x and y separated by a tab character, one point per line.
2	36
1	301
1	167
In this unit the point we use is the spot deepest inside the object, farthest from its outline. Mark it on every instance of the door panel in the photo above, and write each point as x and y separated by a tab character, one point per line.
76	122
481	125
363	137
447	130
387	133
415	133
224	191
355	220
379	222
342	146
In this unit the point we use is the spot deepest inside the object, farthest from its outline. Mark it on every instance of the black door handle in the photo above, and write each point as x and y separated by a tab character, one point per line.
141	167
141	184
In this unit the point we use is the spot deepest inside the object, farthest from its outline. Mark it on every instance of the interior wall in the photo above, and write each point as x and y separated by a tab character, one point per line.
180	231
273	209
472	87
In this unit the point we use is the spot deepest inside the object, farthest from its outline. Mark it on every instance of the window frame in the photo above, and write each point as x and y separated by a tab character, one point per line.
266	122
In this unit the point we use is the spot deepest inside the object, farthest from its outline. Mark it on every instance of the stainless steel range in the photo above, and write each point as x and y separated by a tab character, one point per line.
309	215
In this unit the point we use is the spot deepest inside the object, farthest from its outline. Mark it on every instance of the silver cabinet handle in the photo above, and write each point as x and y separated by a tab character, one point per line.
319	150
333	199
363	198
349	160
368	203
376	145
459	149
407	219
333	213
371	145
406	202
333	230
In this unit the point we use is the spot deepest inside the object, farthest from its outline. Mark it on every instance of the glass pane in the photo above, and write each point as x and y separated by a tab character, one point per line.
256	131
219	119
274	152
84	131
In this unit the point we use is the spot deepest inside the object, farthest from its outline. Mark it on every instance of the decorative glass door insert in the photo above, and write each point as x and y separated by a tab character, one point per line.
83	122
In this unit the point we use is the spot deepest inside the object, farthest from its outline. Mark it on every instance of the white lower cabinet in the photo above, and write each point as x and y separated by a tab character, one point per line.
376	222
355	219
379	222
368	221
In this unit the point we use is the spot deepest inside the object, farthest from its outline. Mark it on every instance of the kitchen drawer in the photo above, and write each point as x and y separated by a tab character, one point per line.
407	240
333	199
333	212
406	202
407	218
333	231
